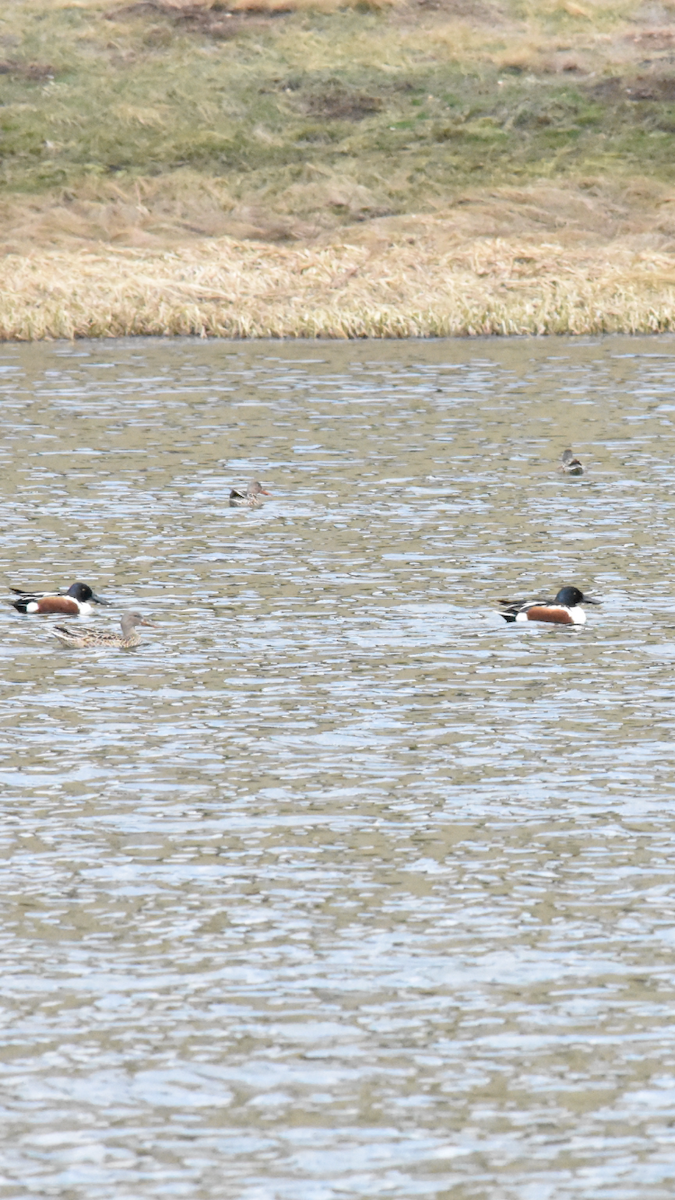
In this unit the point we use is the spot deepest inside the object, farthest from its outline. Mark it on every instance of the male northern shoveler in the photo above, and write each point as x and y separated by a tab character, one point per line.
564	610
76	601
94	637
251	498
569	464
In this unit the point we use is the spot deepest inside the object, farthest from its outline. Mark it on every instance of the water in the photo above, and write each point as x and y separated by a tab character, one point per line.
339	886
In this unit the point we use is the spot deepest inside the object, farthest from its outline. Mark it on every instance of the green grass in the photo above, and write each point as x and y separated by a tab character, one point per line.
390	100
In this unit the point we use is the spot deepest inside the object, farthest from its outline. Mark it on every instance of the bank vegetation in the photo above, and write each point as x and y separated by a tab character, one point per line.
313	168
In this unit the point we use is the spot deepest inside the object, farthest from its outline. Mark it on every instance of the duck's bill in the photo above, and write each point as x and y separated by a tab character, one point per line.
587	600
101	600
151	624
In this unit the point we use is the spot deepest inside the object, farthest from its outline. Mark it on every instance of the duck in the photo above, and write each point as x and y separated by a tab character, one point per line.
250	498
565	609
98	638
76	601
570	464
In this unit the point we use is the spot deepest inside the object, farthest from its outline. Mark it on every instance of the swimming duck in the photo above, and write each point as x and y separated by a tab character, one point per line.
251	498
95	637
77	601
569	464
564	610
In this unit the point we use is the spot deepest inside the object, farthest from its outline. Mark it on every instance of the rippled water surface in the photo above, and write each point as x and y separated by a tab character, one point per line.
338	886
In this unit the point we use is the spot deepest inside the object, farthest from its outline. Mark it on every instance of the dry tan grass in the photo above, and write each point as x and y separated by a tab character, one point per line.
547	258
180	210
430	283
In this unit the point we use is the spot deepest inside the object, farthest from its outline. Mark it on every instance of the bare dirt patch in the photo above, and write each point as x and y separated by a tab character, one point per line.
466	10
217	20
657	87
35	71
334	102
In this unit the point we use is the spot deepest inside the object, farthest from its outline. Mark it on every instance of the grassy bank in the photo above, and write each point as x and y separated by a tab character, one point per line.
420	167
429	283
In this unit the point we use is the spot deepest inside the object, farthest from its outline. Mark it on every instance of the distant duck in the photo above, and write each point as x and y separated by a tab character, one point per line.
93	637
76	601
564	610
570	464
250	498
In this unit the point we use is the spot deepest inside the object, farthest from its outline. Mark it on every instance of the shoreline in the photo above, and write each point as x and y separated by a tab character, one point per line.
430	283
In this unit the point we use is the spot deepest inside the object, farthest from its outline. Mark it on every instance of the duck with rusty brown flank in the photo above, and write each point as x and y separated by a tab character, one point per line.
249	498
78	638
76	601
565	609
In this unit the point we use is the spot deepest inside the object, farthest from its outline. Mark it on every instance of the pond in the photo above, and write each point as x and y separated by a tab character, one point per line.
338	885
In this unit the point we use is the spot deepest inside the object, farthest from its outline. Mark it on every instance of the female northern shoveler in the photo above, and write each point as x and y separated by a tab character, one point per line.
94	637
78	600
251	498
569	464
564	610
